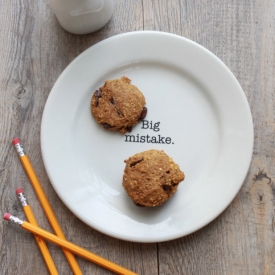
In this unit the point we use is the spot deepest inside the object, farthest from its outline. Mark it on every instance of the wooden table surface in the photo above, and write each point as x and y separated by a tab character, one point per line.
34	52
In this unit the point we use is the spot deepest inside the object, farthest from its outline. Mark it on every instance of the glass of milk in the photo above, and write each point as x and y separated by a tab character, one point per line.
82	16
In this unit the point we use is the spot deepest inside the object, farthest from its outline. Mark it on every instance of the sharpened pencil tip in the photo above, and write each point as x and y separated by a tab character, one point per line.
19	190
15	141
7	216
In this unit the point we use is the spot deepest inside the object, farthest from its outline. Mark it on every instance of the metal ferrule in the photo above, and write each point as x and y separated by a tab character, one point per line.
19	149
23	200
16	220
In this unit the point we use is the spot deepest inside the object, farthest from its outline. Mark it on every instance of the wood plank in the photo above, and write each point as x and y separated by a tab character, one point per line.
242	34
35	51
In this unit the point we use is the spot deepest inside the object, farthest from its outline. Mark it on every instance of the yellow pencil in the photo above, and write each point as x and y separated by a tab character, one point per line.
45	204
40	242
69	246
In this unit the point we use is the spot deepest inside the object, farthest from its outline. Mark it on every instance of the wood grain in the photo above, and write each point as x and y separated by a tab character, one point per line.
35	50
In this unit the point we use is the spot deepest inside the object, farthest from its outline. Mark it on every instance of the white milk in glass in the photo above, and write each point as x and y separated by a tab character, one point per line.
82	16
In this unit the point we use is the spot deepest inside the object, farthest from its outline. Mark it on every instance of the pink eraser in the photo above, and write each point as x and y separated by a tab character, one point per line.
7	216
19	190
15	141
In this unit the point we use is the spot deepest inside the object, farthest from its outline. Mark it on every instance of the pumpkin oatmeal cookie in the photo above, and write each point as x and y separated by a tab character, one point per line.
151	177
118	105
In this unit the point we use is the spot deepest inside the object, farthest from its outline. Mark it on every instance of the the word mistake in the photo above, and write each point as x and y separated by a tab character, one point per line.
157	139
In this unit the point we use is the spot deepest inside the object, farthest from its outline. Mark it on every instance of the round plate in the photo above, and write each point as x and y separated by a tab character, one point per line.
197	113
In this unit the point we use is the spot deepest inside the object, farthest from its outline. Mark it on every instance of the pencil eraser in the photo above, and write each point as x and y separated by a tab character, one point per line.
15	141
19	190
7	216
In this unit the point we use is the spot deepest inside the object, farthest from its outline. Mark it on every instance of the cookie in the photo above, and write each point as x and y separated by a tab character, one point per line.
118	105
151	177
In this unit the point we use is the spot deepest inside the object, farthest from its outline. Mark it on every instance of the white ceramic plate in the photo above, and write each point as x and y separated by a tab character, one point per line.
195	105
